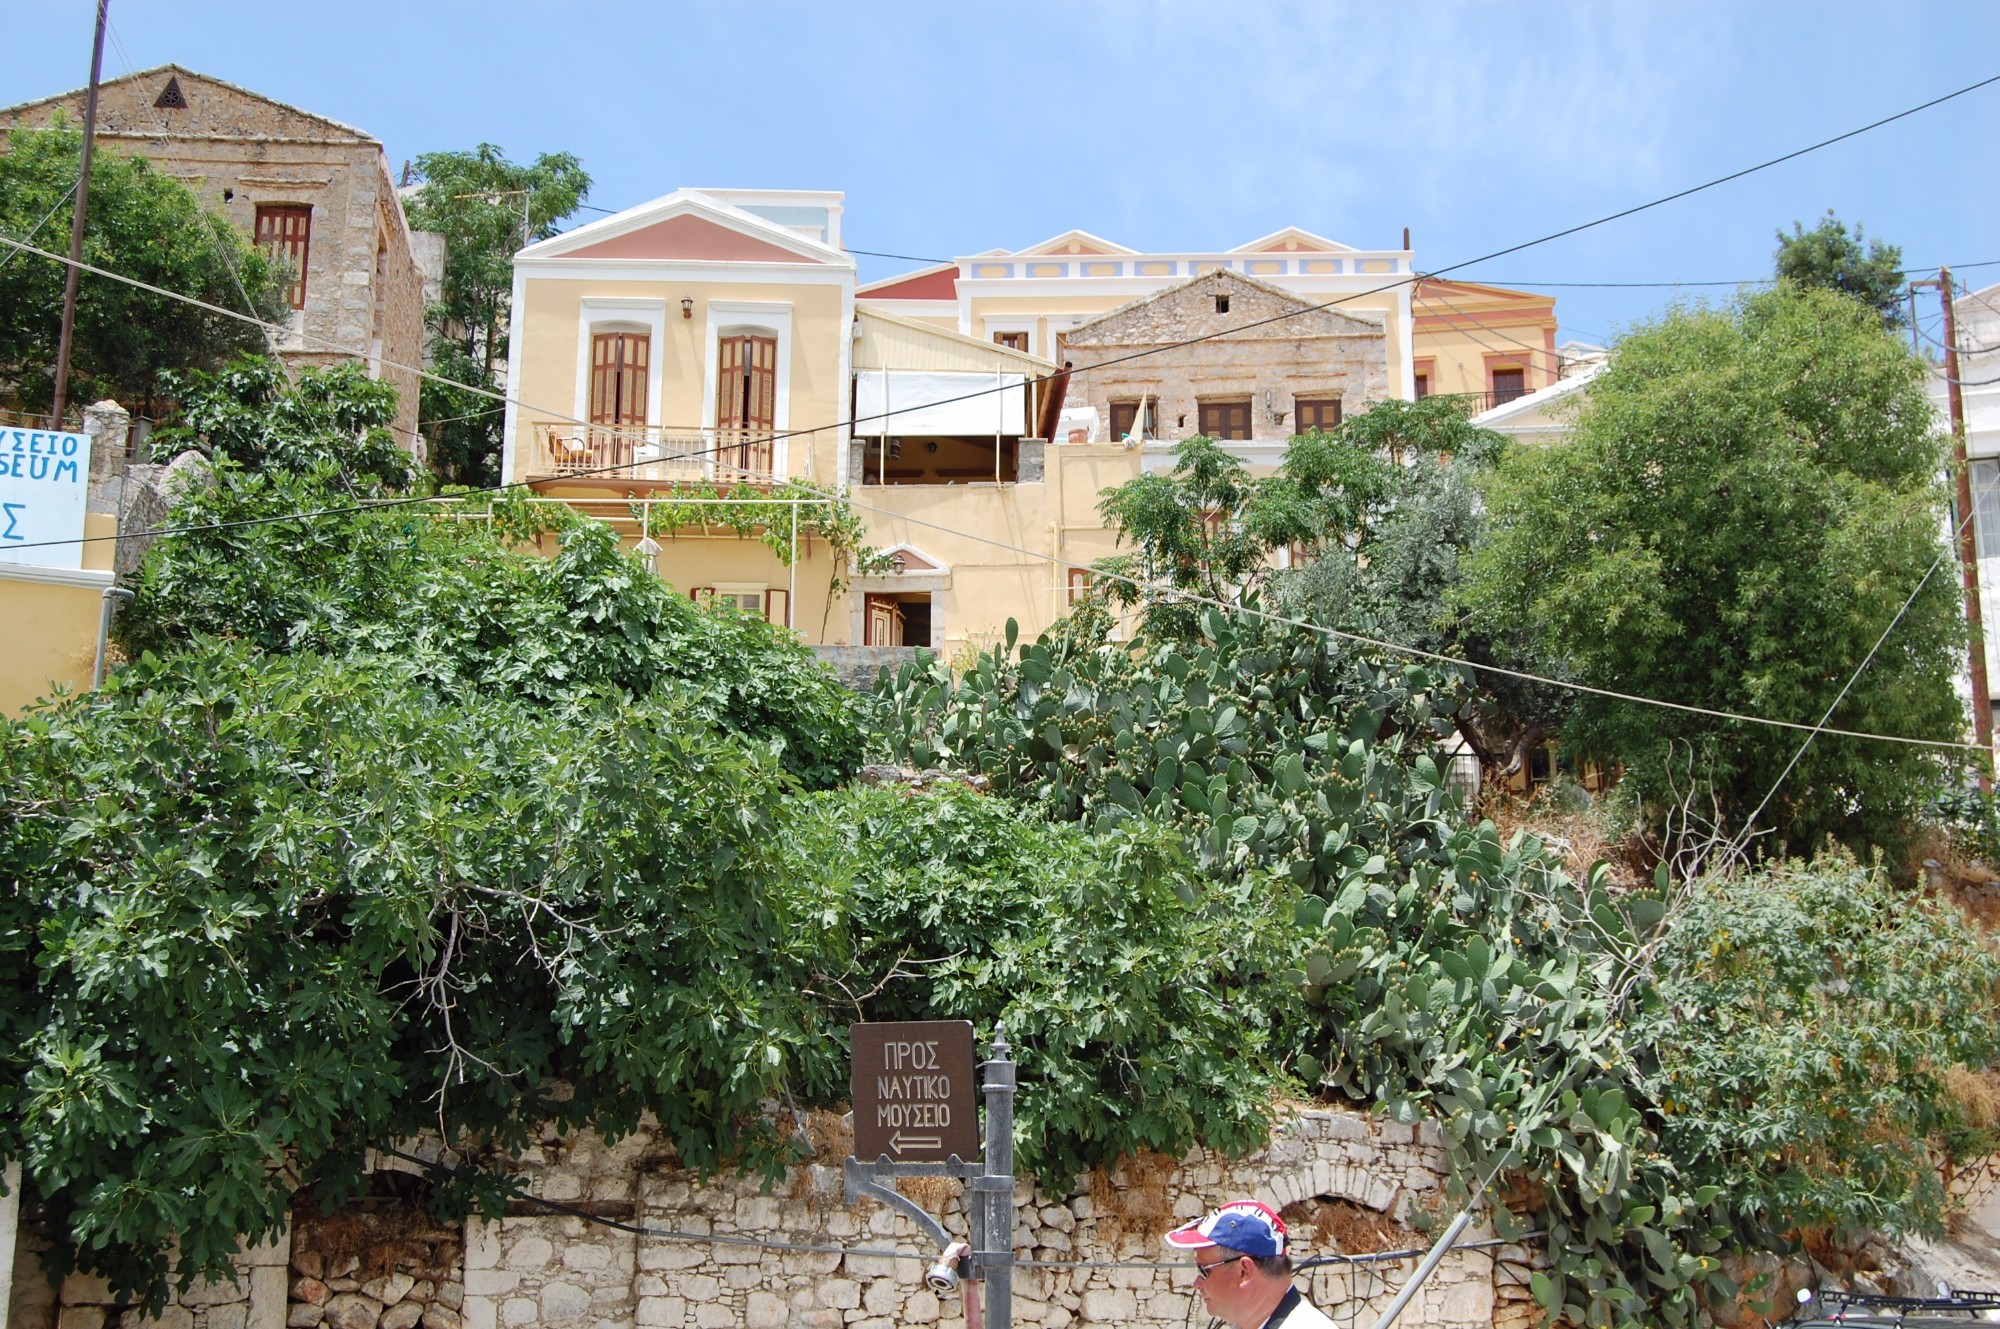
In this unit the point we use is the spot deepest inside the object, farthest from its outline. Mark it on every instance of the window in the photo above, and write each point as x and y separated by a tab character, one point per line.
284	233
1079	584
1423	386
1509	385
1986	507
618	363
746	400
1013	341
771	603
1125	419
1225	419
1221	304
1321	413
746	384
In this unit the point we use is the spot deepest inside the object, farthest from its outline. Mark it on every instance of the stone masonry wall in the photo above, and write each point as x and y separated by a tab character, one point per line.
1314	353
236	149
1346	1183
1336	1176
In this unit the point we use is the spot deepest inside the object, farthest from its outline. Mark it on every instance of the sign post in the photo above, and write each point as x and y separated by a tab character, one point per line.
915	1115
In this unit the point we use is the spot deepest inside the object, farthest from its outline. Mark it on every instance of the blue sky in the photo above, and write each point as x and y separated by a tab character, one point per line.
960	127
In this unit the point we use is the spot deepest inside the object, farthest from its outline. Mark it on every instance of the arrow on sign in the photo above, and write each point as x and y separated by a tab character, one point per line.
899	1142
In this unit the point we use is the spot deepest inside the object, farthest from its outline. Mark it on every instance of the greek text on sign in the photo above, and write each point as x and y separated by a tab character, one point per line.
44	478
913	1091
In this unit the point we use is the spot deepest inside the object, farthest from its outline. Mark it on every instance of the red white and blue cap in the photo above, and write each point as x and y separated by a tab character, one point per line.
1246	1226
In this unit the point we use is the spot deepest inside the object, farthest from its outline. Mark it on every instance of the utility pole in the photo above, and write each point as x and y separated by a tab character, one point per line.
76	221
1967	537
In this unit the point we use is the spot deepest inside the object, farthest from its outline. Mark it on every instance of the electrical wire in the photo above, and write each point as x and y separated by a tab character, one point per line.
1958	534
1285	620
350	509
1355	637
1139	354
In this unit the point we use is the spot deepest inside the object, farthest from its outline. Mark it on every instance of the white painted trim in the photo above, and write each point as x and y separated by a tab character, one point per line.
509	438
95	579
775	315
686	202
687	270
595	311
1407	340
843	381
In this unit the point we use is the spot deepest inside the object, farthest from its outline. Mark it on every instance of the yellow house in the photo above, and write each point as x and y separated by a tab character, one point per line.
705	347
718	340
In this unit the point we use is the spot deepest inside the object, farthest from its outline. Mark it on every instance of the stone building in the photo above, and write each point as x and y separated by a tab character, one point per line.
1228	356
316	192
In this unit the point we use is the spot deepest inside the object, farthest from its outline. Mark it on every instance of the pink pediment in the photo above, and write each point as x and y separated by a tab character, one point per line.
689	237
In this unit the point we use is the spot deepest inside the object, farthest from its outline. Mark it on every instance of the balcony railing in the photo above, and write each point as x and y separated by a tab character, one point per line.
1475	402
637	452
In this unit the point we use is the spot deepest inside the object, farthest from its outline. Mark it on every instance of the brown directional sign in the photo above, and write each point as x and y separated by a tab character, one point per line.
913	1091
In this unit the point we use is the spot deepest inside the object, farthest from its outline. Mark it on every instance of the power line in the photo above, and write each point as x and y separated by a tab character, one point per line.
1336	633
1286	620
1144	352
1674	285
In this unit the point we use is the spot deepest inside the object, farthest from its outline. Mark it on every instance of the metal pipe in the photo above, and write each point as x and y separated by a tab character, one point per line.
112	595
1437	1253
995	1259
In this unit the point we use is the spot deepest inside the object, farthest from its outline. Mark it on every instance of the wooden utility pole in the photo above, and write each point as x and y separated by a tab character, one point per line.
76	221
1968	539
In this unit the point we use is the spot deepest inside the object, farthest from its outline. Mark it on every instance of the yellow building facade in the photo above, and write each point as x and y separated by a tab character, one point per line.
718	340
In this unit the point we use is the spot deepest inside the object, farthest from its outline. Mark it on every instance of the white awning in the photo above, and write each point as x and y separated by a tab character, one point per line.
905	402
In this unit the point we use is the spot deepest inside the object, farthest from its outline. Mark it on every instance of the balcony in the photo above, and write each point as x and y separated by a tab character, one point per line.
610	455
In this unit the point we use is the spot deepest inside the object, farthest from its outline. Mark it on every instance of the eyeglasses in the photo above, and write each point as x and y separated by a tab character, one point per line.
1204	1270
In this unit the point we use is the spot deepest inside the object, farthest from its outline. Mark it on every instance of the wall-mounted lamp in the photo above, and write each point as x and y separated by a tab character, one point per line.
687	306
897	561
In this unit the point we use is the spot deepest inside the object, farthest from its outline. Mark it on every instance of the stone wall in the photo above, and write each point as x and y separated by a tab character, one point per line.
1267	346
1341	1179
236	149
1347	1183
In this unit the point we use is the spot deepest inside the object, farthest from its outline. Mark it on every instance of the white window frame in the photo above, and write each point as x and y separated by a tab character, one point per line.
722	590
1006	324
621	313
769	316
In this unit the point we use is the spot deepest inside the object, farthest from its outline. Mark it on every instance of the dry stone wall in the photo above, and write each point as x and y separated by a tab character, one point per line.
1341	1178
1347	1183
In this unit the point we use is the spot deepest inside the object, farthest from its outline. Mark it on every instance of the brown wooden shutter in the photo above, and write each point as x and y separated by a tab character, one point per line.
778	606
729	383
618	363
1321	413
1225	419
284	232
761	395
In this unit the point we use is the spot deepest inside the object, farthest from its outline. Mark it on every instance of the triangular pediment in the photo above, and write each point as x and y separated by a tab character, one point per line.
687	227
170	97
1190	310
1076	242
933	283
1442	289
908	559
1292	240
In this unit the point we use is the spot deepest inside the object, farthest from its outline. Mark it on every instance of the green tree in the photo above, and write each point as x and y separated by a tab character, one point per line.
1747	501
143	225
249	413
1829	256
486	208
261	912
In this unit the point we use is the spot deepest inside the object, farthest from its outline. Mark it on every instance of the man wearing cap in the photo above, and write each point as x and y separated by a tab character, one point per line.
1242	1270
